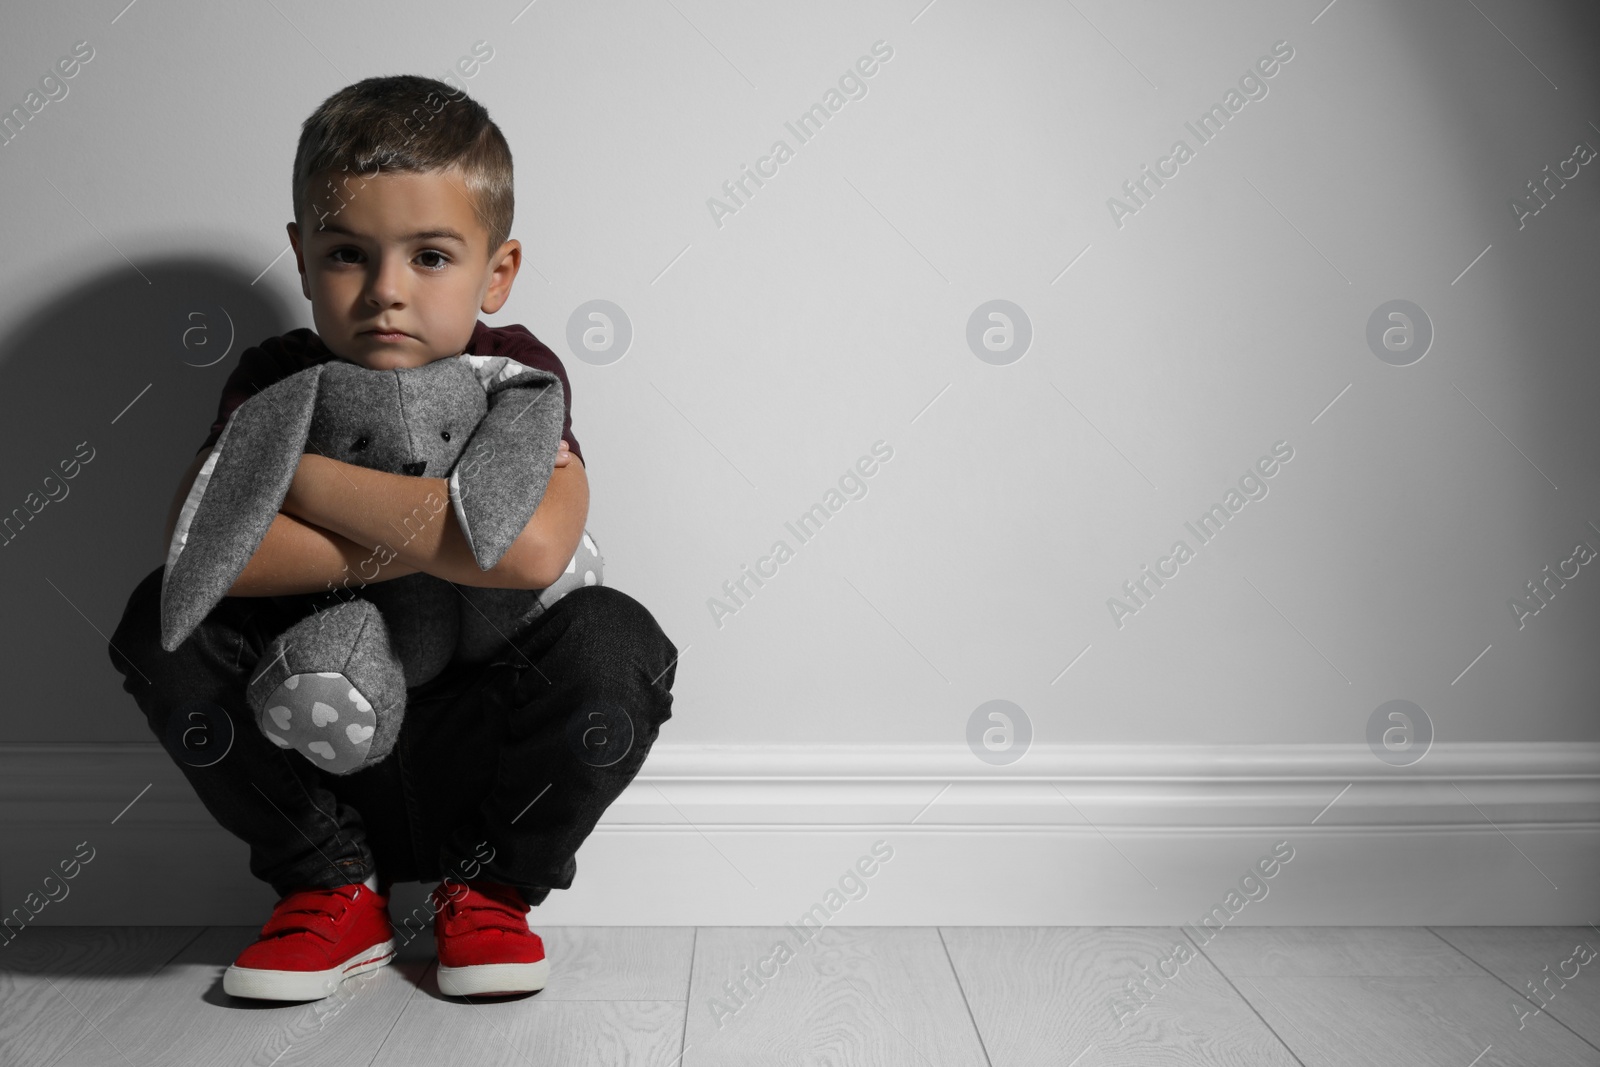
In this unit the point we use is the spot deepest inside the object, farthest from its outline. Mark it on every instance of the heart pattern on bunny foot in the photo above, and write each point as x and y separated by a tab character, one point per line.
342	720
323	716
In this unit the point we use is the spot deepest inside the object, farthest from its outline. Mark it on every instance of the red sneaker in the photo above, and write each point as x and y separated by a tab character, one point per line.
485	944
315	939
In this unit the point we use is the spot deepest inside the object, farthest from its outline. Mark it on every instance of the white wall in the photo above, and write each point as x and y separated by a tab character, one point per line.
829	313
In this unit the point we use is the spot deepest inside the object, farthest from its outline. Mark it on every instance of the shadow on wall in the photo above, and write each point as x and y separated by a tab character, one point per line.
1515	97
111	389
1531	96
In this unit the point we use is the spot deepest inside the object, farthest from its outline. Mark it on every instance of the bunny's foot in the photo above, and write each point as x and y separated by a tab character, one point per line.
329	688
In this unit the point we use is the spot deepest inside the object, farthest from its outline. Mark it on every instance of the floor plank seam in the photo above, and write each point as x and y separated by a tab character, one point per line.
422	980
1464	955
688	989
983	1045
1246	1000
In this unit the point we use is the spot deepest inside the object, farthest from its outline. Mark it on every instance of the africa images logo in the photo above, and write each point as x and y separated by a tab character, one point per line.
1253	485
811	122
1252	86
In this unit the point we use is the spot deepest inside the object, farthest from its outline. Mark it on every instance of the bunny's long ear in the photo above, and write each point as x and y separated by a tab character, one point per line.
506	465
234	499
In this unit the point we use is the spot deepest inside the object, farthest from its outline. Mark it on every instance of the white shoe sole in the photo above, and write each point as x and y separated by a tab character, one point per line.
493	979
262	984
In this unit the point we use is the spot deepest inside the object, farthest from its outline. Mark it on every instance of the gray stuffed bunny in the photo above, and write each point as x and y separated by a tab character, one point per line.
333	685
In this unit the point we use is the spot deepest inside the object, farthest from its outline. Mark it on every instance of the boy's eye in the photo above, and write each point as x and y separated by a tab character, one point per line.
360	445
437	260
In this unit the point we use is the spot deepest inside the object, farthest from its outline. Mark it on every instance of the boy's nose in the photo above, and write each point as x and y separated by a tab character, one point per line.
414	469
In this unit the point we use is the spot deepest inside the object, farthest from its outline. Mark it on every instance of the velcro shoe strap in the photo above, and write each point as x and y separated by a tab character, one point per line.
311	912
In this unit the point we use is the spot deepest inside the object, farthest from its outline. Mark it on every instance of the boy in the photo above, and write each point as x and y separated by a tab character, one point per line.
403	206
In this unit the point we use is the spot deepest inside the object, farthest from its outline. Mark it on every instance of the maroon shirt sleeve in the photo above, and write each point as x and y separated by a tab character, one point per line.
261	365
515	342
278	357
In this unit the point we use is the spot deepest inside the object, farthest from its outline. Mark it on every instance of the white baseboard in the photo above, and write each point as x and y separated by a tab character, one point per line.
1493	834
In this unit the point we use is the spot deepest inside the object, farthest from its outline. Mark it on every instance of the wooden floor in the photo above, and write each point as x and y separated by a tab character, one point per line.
911	996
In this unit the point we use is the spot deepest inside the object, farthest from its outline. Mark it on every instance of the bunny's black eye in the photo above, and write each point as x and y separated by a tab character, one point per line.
360	445
445	434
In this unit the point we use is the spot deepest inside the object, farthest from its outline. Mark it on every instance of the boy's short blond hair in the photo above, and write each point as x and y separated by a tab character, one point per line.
405	124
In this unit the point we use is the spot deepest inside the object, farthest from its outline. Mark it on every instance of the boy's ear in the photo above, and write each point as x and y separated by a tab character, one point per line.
504	264
299	258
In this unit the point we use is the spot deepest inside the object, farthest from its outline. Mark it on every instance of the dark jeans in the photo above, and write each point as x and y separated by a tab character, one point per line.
500	772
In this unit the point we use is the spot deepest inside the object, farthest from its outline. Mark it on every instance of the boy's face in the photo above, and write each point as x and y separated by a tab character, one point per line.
404	253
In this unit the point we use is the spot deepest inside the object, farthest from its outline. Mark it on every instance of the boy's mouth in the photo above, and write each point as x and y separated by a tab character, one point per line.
386	335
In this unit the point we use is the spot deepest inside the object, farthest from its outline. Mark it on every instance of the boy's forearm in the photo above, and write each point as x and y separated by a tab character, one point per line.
298	557
404	518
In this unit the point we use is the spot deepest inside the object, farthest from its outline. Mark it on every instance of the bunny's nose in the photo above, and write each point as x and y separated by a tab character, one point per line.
414	469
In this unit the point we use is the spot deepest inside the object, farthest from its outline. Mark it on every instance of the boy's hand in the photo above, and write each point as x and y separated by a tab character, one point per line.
563	454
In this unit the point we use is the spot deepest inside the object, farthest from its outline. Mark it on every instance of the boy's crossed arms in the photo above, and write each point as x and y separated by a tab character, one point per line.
336	514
